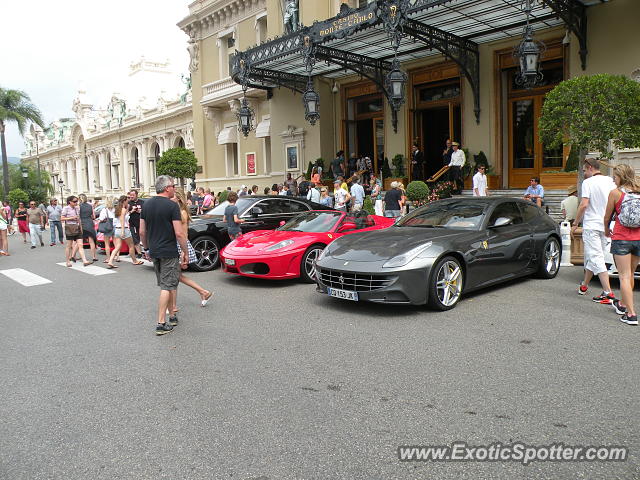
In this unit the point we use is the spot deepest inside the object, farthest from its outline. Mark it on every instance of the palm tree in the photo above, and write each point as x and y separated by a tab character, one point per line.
15	106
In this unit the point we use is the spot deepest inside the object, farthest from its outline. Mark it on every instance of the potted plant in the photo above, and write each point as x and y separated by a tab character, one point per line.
398	173
418	193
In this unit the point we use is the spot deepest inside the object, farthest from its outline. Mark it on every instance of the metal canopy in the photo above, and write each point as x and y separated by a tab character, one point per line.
357	41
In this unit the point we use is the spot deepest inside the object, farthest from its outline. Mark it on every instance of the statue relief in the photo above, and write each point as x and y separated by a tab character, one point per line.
291	16
194	53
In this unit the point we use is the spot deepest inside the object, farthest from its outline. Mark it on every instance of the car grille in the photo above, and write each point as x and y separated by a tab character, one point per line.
358	282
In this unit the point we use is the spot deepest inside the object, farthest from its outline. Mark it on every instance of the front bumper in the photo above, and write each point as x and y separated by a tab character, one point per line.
409	286
274	267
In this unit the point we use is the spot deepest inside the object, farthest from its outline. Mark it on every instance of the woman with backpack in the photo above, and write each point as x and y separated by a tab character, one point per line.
625	240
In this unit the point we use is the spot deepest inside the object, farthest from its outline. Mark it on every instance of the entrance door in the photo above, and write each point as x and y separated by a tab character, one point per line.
527	156
435	131
364	128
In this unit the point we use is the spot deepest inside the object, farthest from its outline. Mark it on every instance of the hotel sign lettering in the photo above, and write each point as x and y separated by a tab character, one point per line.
343	26
346	22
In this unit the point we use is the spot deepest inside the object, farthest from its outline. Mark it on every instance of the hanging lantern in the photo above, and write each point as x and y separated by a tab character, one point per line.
528	54
311	101
245	117
396	81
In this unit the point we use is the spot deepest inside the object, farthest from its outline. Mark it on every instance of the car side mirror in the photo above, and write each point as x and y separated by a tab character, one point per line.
501	222
255	211
345	227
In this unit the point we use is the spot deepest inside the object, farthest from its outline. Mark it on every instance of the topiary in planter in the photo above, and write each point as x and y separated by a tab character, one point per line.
417	191
386	171
398	164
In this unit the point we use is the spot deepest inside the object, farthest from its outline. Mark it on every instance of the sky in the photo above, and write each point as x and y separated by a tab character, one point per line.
50	49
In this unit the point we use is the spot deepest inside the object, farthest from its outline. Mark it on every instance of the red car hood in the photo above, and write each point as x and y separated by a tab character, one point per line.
256	242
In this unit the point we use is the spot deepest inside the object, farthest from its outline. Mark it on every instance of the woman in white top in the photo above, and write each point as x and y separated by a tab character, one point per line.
4	226
108	212
122	232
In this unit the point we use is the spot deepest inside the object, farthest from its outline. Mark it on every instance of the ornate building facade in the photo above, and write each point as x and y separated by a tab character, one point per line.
109	150
461	80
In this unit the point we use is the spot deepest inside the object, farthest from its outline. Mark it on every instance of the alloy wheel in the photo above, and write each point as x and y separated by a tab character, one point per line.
552	257
449	283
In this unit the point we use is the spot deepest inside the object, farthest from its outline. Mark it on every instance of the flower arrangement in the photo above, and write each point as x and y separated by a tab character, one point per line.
443	189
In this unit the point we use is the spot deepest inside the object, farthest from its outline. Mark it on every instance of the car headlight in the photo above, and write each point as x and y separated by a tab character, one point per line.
279	245
403	259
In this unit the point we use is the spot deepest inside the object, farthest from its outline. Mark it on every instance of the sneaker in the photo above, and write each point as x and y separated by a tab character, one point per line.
582	289
163	328
173	320
605	298
629	319
620	310
33	246
51	244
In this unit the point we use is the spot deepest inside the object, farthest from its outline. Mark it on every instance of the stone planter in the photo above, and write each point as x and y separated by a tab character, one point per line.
577	248
558	181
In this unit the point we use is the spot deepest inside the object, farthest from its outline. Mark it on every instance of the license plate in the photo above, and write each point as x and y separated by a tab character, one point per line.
343	294
229	261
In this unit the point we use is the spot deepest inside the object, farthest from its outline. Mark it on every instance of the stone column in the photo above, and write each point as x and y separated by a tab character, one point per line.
126	168
143	148
79	180
102	169
91	159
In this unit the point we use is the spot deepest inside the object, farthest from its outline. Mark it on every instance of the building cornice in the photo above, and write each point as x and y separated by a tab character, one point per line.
207	17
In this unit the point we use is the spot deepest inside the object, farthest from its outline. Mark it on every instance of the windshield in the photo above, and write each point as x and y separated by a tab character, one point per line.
461	216
312	222
242	204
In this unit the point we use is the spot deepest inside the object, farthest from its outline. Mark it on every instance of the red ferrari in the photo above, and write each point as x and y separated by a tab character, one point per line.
291	250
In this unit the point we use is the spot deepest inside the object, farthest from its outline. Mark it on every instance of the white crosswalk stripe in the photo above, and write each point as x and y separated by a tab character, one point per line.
89	269
128	259
24	277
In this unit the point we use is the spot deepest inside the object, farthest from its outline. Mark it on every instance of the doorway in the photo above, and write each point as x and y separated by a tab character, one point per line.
528	157
364	128
438	116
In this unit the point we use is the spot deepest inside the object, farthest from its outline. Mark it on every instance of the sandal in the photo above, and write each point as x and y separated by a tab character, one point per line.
87	263
206	298
138	263
69	265
111	266
105	261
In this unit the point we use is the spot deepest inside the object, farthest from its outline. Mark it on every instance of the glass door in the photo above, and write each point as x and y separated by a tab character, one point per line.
527	156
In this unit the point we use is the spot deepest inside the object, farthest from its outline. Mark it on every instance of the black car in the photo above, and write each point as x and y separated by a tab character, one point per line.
441	251
208	232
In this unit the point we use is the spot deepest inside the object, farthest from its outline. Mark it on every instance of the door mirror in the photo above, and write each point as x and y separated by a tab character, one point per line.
345	227
501	222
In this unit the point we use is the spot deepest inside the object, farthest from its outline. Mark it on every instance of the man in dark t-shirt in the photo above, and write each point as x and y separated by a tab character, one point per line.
135	208
161	232
393	201
337	165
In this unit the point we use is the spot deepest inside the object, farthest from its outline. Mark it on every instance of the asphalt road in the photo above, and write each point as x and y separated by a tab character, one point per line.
275	381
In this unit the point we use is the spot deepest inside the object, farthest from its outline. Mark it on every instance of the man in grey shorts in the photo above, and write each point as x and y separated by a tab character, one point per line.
160	232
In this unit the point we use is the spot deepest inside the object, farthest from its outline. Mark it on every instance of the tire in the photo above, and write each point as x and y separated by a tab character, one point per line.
445	284
549	264
207	252
308	263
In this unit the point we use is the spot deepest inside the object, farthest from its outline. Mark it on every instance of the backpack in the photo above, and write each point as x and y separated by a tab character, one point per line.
629	215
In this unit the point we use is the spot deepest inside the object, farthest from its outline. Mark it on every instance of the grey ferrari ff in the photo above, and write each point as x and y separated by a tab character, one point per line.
440	251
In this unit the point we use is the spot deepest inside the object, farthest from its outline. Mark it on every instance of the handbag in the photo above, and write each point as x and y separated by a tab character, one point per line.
106	226
72	230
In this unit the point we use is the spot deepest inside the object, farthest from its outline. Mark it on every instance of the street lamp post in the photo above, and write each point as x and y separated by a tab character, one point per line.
61	184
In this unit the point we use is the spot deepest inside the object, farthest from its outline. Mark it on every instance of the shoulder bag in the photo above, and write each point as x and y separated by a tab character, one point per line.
106	226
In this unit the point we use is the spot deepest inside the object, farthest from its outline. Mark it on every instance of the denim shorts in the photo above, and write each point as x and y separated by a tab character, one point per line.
625	247
118	232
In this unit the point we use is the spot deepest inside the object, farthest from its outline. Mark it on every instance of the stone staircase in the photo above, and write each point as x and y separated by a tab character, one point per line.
552	199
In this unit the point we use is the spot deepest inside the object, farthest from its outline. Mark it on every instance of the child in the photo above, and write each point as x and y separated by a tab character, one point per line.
231	216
